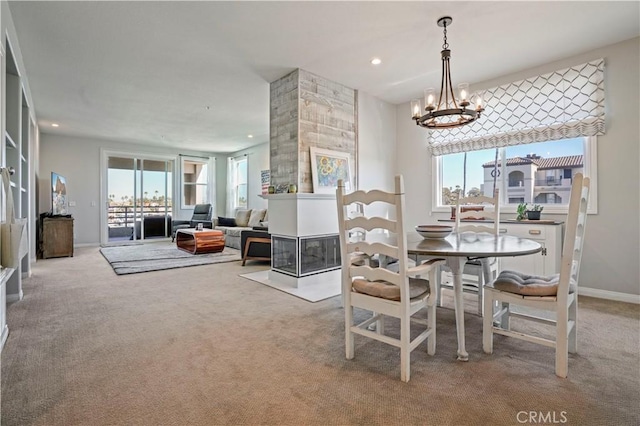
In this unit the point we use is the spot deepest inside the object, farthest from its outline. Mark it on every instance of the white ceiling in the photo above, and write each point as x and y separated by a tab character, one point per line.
195	75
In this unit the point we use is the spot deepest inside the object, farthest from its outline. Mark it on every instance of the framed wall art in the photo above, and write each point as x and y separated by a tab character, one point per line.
327	167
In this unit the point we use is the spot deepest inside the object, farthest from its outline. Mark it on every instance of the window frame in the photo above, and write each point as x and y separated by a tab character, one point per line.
210	184
590	148
236	165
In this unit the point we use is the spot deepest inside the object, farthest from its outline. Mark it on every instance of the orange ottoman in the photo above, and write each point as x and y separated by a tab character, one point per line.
197	242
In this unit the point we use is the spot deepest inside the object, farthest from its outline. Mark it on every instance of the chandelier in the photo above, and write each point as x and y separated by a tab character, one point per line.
448	112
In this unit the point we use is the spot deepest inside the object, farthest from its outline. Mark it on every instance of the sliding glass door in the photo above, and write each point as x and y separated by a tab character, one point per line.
139	193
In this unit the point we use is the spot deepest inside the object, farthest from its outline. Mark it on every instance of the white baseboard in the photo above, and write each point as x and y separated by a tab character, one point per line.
86	245
609	295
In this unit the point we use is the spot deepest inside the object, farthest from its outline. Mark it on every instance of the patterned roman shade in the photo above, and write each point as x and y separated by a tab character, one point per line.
563	104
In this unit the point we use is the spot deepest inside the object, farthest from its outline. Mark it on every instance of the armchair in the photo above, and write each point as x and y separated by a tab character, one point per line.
201	214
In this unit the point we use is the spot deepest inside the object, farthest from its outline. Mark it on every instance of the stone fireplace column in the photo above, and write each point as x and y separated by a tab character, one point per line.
307	111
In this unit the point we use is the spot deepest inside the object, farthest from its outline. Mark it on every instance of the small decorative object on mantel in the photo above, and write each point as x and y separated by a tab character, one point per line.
283	188
293	188
533	213
271	189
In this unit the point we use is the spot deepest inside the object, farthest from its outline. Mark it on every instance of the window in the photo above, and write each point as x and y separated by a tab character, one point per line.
539	173
237	172
240	179
196	181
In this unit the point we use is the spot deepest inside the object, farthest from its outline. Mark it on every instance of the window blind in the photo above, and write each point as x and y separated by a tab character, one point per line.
562	104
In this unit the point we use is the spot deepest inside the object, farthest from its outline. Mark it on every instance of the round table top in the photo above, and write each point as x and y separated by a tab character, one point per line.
472	244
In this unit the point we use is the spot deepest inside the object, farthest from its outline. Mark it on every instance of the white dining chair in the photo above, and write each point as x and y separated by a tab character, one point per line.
557	293
380	291
473	273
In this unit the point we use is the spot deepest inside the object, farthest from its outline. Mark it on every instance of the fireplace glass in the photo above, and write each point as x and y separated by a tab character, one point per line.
305	255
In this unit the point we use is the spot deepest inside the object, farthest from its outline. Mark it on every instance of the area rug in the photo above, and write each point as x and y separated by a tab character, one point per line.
133	259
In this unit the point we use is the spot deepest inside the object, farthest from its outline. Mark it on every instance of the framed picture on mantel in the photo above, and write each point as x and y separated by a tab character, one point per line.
327	167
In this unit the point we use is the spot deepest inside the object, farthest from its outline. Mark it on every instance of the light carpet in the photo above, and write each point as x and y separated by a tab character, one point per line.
203	346
133	259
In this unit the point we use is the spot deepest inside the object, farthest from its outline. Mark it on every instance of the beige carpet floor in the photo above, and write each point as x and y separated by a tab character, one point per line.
203	346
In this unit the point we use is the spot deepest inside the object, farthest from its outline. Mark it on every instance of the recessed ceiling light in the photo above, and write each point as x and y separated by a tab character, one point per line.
376	61
55	125
250	136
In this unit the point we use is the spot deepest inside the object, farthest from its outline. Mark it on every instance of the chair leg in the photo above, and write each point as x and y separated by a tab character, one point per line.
405	351
348	335
504	319
439	286
487	324
431	323
380	324
562	342
480	293
573	334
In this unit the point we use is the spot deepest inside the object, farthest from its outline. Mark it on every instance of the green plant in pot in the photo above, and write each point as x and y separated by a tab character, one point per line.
521	211
533	213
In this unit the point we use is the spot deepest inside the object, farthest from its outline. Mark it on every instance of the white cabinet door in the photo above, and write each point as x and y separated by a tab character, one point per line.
546	262
533	264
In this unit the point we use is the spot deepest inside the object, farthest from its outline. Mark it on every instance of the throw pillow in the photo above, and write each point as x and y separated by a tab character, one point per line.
226	221
256	217
242	217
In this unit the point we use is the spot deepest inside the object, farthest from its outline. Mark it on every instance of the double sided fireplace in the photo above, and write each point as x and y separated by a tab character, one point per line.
305	244
302	256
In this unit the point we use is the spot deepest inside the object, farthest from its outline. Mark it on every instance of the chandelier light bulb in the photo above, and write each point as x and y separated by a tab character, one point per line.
464	93
416	108
429	99
479	101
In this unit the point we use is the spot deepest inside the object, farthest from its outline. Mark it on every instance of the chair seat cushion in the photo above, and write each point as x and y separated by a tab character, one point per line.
386	290
529	285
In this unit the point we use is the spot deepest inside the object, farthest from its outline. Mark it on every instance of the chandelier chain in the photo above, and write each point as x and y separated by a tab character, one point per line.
445	45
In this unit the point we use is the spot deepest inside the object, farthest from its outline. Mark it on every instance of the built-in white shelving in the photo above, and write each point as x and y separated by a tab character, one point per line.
18	133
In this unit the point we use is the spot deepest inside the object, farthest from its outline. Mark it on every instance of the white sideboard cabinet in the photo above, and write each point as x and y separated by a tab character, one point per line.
548	234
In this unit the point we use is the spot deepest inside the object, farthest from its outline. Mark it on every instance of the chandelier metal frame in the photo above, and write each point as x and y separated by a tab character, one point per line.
447	106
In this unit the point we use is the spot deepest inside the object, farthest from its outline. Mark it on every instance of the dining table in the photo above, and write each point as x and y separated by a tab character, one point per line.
456	249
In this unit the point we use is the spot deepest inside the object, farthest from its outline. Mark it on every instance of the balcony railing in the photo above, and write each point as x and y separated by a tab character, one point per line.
124	216
553	181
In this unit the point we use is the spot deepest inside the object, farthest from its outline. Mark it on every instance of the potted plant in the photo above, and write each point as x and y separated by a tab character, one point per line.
533	213
521	211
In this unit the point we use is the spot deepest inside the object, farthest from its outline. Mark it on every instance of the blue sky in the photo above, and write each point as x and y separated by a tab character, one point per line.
452	165
121	183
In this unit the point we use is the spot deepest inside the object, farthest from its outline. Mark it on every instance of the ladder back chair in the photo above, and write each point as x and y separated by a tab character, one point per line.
383	292
476	268
556	293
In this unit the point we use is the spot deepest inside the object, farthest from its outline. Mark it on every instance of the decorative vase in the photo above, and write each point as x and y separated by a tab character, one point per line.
293	188
271	189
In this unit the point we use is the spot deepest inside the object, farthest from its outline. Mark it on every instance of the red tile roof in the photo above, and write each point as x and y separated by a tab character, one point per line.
568	161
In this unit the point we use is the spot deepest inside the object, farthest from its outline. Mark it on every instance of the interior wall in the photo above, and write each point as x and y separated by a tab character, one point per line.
612	242
377	154
78	160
